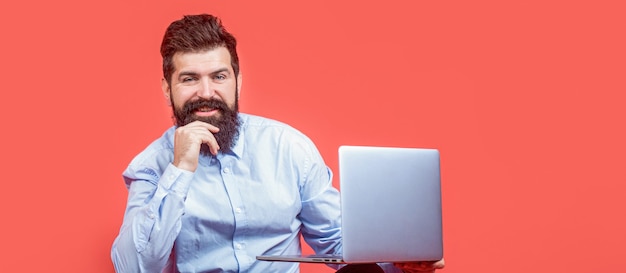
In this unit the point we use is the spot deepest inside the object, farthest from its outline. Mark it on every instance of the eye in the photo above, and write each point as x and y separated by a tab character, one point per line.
188	79
220	77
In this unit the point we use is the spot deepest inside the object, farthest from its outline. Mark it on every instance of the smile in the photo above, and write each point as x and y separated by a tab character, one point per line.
206	111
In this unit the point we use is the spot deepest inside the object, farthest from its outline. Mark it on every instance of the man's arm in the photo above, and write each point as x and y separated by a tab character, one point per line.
321	218
156	203
152	220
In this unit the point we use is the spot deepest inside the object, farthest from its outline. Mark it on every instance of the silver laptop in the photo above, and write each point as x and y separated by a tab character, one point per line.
390	205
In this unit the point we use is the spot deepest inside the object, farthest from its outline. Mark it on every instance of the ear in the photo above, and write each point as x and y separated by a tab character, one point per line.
239	81
167	91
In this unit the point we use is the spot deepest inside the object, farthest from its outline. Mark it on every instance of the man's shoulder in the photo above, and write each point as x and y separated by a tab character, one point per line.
259	121
274	135
257	124
253	124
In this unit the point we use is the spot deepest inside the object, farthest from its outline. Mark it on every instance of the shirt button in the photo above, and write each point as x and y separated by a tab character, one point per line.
151	216
226	170
171	177
238	210
238	246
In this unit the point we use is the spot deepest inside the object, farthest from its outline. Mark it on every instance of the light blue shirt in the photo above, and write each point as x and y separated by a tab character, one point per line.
255	200
258	199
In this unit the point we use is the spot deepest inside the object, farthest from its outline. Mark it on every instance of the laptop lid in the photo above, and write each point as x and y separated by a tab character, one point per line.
391	204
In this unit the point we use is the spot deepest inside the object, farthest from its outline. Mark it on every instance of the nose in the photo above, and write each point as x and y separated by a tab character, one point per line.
205	89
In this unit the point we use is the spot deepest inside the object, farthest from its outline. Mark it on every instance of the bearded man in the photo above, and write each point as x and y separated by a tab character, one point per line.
221	187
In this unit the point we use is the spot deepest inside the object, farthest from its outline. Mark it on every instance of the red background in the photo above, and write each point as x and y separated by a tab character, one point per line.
523	98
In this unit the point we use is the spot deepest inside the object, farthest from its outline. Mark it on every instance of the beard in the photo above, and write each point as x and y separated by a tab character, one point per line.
226	120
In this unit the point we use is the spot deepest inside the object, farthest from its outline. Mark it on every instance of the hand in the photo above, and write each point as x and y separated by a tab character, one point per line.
421	266
187	142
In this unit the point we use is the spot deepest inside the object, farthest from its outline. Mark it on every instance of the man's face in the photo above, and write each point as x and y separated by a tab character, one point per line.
204	87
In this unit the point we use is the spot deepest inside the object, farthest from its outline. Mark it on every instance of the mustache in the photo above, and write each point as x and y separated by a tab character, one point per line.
192	106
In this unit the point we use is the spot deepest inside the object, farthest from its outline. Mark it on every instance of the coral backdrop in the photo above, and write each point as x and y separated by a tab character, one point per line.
524	99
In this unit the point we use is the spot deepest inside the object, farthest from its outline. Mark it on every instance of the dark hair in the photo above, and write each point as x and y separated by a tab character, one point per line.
195	33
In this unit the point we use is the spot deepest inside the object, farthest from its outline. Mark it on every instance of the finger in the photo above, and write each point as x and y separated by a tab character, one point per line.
421	266
201	134
210	141
439	264
195	135
201	124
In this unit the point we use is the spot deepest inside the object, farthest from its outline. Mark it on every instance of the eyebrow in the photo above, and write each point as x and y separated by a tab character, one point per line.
221	70
191	73
187	73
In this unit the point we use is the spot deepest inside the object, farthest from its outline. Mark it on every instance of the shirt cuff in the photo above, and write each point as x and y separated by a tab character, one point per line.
176	180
